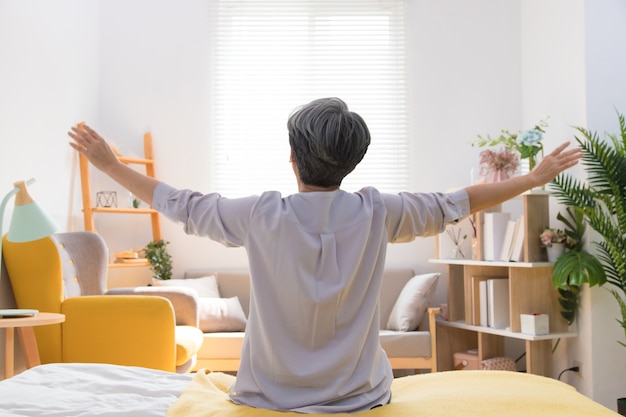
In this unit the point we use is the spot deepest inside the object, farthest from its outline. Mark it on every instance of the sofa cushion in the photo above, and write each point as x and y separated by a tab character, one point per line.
205	286
405	344
408	310
222	345
221	315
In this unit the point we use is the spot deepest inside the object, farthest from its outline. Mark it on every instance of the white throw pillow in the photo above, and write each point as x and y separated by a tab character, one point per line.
222	315
205	286
409	309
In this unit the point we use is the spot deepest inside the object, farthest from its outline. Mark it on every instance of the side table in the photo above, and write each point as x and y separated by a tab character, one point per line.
24	326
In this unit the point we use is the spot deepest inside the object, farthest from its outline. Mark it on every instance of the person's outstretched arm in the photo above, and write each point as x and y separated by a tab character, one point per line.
99	153
482	196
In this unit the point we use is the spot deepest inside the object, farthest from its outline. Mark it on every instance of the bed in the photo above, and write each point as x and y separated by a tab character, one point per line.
69	390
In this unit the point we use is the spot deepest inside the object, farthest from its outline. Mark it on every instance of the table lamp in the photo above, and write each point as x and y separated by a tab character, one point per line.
29	222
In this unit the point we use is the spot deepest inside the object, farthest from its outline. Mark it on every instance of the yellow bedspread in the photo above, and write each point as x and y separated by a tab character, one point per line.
449	394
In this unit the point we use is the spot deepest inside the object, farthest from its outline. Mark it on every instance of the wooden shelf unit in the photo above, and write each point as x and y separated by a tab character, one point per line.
530	291
88	207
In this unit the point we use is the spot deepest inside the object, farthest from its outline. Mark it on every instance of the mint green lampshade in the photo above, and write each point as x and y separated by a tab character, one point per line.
30	222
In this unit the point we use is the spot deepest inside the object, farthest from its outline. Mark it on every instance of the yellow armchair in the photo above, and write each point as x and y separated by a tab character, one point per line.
66	273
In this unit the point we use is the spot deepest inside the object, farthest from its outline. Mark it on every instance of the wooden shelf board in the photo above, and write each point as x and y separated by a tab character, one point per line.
504	332
128	210
138	161
491	263
129	265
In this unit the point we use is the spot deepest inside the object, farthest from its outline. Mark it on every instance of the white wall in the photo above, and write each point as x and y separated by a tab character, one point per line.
130	66
605	67
48	81
553	84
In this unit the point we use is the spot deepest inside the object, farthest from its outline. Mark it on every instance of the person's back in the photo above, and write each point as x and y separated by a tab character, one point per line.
312	340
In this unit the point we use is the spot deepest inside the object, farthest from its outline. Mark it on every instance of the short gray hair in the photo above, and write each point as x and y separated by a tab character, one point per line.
327	140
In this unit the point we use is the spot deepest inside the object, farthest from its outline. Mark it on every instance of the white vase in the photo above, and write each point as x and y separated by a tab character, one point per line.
555	251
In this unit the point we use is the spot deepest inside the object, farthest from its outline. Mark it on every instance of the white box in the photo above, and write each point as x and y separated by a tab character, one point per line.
535	324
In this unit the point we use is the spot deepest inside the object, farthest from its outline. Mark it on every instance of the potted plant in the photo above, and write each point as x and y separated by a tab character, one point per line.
576	266
161	261
602	203
554	242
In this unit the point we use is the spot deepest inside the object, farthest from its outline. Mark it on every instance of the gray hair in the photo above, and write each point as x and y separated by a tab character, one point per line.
327	140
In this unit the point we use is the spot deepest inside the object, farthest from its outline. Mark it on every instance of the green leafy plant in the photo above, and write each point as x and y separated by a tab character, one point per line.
576	266
159	258
602	201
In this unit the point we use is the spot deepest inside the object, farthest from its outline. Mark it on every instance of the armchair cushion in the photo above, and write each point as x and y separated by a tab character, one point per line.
188	341
409	309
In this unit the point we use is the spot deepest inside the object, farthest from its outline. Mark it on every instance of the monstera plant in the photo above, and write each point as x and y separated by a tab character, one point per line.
576	266
601	200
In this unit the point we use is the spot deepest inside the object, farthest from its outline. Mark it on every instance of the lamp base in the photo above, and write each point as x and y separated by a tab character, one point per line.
17	312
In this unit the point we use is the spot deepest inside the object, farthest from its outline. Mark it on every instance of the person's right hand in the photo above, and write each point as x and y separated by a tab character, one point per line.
89	143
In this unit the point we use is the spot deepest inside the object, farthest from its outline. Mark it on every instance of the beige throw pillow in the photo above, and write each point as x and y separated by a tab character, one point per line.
222	315
205	286
409	309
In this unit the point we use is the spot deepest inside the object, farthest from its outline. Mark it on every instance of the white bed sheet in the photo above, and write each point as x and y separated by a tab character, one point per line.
73	390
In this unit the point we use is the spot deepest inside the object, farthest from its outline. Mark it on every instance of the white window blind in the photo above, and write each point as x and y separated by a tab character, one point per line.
272	56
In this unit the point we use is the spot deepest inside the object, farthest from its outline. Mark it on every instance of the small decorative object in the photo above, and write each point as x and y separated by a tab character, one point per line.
106	199
527	144
457	240
161	261
443	311
554	241
133	201
466	360
535	324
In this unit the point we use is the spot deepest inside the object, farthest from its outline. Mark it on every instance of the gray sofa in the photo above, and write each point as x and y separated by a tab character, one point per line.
406	349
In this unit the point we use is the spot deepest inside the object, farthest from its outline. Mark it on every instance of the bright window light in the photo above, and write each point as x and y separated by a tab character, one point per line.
272	56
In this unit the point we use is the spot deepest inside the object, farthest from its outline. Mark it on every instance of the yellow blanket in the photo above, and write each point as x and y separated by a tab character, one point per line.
449	394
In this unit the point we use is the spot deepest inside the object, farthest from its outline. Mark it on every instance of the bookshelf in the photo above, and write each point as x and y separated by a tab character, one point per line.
530	291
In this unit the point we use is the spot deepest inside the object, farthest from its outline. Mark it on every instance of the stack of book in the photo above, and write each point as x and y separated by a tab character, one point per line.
490	302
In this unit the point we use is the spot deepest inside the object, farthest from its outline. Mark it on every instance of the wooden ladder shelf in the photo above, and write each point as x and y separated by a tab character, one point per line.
89	209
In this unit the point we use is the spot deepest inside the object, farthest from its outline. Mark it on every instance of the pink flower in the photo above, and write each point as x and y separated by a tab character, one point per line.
502	160
550	236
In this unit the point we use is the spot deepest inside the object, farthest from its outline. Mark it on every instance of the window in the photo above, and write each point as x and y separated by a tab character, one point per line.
272	56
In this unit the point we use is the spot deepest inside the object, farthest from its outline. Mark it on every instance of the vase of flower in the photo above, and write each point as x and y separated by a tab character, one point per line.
554	242
526	144
497	165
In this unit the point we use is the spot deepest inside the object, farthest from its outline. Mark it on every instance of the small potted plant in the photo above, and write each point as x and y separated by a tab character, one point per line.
554	242
161	261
